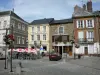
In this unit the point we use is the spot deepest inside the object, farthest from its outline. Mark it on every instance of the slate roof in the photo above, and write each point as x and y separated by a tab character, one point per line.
84	13
62	21
42	21
11	13
97	13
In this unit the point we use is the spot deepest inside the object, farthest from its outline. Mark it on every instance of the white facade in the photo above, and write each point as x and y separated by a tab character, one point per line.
91	49
4	23
39	31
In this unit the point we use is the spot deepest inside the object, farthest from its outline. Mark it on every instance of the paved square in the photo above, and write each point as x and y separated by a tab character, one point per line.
84	66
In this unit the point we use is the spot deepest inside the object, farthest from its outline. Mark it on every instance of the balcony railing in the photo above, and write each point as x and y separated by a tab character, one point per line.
86	40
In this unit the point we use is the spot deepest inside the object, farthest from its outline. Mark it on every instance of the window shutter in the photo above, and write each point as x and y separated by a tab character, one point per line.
86	24
93	22
87	35
83	23
77	23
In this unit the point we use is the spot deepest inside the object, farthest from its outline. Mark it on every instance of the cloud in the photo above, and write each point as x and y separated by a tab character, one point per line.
36	9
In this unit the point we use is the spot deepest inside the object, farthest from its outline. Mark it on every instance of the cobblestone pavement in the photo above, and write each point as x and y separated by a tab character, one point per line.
84	66
91	62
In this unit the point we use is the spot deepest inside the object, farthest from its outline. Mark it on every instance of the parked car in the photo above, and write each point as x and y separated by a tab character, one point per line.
54	57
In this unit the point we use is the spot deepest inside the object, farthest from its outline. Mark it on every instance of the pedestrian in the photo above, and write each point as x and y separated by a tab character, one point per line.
42	54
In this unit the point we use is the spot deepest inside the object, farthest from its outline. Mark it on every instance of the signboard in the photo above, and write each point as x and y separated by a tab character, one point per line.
41	48
28	50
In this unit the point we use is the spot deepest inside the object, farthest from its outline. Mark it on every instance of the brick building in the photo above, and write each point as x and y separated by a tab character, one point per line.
86	29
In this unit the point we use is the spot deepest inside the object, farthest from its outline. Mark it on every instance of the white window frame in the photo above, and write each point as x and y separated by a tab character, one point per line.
37	37
38	28
90	23
19	25
13	23
90	35
32	29
80	23
32	36
0	25
44	28
23	27
81	35
18	40
5	24
59	29
23	40
44	36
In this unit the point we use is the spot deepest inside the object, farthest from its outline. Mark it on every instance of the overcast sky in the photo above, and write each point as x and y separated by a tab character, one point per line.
31	10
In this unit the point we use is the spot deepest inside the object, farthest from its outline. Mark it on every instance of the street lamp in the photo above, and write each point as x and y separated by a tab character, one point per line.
11	48
6	51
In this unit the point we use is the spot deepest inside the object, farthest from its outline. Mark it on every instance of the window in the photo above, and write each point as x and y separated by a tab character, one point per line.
13	23
80	36
23	27
38	37
5	24
65	38
32	37
44	28
18	40
90	35
32	29
80	23
0	25
89	23
61	30
23	40
44	37
19	26
38	28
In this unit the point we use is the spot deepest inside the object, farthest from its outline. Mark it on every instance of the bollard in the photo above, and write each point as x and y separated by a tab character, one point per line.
79	56
18	69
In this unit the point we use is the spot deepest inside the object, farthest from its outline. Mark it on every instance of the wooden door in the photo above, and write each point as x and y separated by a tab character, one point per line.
86	50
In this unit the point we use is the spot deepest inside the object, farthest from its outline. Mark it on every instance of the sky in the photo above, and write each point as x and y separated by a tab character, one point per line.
31	10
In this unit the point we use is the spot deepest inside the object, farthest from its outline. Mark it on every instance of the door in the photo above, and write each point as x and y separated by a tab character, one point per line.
86	50
60	50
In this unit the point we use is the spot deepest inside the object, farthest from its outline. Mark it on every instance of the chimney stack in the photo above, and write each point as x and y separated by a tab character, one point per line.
84	7
89	6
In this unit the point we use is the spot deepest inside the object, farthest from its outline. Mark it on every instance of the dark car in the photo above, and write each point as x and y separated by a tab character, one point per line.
54	57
